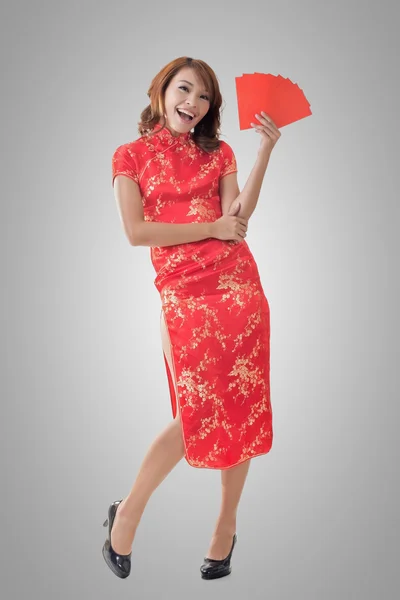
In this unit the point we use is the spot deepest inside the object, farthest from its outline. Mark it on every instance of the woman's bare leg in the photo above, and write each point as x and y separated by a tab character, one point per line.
232	481
164	453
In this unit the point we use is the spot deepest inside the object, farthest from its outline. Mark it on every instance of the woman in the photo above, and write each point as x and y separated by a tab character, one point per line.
177	193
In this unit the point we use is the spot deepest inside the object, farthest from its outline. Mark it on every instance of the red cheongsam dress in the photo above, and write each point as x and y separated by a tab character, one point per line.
215	309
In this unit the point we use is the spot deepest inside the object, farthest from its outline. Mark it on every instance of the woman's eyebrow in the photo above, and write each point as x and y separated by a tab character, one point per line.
185	81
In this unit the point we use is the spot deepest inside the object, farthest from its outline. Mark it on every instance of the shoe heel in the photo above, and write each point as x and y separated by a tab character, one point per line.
213	569
120	564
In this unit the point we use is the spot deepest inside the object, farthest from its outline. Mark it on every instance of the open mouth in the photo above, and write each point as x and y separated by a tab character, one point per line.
184	117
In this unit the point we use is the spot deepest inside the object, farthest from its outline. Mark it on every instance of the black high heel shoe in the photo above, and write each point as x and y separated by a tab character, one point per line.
120	564
211	569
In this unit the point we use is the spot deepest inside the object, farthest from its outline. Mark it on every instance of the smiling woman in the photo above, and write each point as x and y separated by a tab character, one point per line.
189	101
175	186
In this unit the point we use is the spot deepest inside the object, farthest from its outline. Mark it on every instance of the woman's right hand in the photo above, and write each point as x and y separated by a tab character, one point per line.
229	227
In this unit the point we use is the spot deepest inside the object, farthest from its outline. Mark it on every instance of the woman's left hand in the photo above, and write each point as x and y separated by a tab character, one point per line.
269	132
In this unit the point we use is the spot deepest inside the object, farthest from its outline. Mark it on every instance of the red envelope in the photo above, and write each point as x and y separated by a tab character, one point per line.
279	98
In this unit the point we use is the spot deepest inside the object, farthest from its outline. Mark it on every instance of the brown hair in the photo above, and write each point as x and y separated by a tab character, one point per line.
207	131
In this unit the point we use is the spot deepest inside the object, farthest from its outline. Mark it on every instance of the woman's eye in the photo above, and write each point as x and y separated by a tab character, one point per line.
184	87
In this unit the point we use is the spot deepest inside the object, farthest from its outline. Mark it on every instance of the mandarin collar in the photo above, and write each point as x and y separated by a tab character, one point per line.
164	136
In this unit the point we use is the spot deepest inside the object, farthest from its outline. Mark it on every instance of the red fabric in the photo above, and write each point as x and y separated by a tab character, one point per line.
216	312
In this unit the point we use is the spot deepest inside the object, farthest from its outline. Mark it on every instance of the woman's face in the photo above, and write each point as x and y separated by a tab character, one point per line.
185	91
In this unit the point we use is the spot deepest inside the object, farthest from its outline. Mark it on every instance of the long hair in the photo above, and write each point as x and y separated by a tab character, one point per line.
207	131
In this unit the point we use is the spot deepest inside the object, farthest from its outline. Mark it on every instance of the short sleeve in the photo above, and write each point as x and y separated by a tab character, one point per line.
228	163
124	162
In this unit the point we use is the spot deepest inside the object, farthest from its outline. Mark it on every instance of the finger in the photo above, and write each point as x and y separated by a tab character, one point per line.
268	118
262	128
264	121
270	133
269	127
265	132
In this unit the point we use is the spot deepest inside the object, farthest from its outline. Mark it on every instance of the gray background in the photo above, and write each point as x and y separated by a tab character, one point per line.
84	387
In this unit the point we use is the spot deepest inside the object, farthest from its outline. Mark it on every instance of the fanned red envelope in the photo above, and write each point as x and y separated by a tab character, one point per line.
279	98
